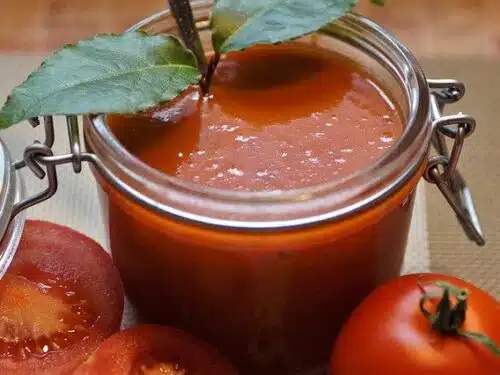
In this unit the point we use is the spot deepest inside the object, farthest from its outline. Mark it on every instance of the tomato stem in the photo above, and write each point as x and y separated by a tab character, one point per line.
450	317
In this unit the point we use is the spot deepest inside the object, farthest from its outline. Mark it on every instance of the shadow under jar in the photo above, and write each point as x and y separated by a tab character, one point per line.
268	277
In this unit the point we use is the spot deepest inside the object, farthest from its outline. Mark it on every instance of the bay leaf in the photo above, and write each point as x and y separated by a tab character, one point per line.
106	74
239	24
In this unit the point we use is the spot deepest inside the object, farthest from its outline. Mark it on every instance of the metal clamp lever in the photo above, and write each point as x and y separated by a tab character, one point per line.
442	169
39	156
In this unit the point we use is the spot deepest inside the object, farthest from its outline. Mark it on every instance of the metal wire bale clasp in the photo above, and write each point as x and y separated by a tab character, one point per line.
39	158
442	169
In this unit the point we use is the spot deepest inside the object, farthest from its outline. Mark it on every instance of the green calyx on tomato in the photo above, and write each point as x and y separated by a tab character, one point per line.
449	317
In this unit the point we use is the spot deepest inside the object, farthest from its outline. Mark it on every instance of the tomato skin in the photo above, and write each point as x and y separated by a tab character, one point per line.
65	253
121	354
388	334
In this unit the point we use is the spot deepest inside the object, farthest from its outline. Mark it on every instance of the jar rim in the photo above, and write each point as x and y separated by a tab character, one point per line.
347	195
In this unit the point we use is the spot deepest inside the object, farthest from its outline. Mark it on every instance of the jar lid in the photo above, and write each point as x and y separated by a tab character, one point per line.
11	192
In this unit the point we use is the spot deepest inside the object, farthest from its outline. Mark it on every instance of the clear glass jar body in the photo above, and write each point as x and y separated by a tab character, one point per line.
272	302
12	192
268	279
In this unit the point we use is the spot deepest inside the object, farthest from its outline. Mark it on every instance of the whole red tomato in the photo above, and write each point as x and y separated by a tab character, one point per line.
422	324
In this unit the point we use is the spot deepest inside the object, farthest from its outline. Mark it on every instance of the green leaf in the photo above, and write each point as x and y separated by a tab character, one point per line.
108	73
378	2
239	24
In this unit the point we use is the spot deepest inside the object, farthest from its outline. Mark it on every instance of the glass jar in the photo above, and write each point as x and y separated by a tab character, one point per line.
270	277
11	209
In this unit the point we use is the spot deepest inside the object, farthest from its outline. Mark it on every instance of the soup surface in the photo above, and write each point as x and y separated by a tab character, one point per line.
277	118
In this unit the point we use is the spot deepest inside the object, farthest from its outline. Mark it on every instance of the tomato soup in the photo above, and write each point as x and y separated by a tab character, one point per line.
277	118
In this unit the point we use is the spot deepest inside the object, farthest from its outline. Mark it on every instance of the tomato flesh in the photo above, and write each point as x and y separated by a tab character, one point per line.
59	300
55	314
155	350
388	334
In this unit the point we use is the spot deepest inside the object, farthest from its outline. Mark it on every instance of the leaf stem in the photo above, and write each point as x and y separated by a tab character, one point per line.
206	80
183	14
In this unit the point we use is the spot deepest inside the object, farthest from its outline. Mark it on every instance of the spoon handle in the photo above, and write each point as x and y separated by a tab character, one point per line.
181	9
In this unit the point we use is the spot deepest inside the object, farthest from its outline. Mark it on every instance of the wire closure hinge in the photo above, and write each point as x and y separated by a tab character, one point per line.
39	158
442	169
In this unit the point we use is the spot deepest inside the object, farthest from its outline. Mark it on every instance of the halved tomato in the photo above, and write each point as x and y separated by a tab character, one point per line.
155	350
59	300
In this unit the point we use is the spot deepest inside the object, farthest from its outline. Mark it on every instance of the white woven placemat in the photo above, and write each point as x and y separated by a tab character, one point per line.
76	204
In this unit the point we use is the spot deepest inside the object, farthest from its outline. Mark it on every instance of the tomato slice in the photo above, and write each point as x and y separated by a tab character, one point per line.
389	332
155	350
59	300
